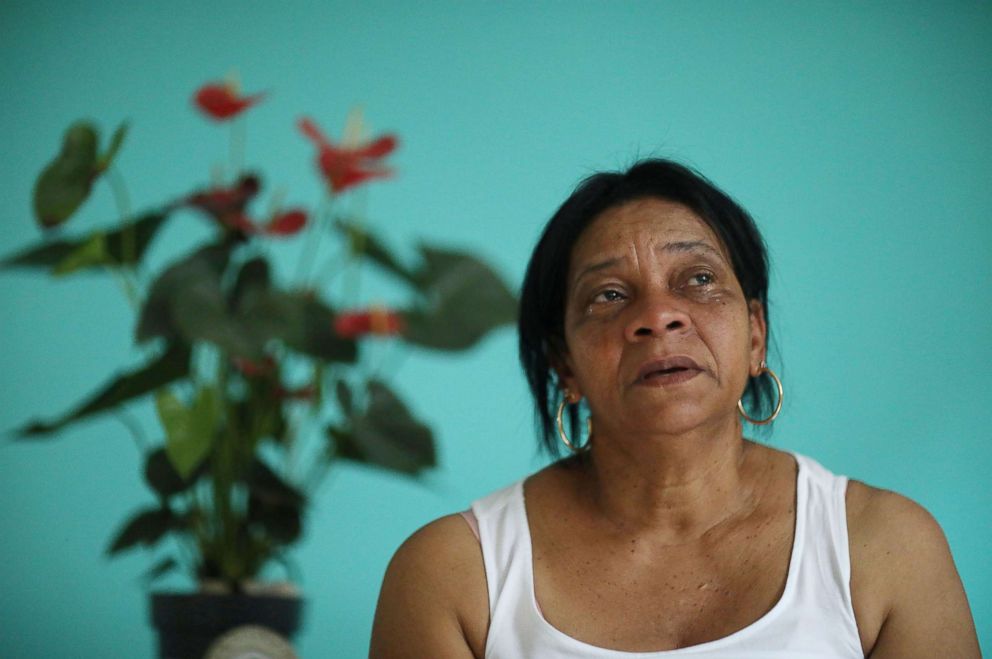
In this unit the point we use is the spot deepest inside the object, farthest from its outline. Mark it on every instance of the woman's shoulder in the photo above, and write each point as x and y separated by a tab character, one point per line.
889	532
434	596
905	587
448	537
445	555
881	514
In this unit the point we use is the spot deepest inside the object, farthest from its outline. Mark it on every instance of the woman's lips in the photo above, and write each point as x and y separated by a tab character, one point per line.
668	371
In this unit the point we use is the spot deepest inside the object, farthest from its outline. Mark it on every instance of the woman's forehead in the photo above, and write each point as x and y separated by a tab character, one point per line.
649	223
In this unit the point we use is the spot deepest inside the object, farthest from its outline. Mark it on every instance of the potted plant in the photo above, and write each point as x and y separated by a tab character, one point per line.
234	355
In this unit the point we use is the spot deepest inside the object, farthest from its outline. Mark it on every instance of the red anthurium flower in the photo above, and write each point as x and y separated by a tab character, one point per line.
227	207
241	222
344	167
252	369
286	224
221	101
377	320
302	393
225	203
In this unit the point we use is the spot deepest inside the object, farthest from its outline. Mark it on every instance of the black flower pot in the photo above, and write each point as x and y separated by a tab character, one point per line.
187	624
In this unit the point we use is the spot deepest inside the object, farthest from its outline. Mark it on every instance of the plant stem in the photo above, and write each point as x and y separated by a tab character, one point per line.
331	269
312	237
136	432
353	279
293	441
321	469
199	500
385	349
186	554
223	476
122	200
237	147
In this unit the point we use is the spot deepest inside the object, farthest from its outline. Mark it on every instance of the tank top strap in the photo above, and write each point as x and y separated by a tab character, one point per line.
825	502
823	579
504	537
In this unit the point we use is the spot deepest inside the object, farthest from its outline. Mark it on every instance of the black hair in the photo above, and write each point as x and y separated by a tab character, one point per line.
541	323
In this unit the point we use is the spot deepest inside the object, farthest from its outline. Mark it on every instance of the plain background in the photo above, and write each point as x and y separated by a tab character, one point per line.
858	134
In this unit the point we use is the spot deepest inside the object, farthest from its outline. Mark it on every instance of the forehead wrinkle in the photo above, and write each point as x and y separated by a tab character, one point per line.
596	267
690	246
679	246
632	221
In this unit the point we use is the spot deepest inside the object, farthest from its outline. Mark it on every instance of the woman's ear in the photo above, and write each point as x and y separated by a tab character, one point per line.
759	335
566	378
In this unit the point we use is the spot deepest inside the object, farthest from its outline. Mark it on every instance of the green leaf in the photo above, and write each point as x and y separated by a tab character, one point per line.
160	569
298	319
387	435
261	410
171	365
44	255
283	524
364	243
127	244
262	312
50	253
66	182
315	336
162	476
90	253
269	313
266	484
464	300
199	312
253	279
189	431
156	316
107	157
188	300
345	399
274	504
342	445
146	528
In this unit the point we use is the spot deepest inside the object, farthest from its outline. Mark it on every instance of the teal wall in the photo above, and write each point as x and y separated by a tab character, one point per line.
858	134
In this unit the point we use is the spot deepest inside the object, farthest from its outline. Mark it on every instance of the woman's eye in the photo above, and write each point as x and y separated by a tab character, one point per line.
609	295
701	279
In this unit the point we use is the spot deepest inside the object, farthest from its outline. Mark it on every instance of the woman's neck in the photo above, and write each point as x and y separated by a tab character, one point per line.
675	488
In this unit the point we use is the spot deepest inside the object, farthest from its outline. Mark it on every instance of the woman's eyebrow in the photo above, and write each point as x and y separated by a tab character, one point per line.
595	267
690	246
677	246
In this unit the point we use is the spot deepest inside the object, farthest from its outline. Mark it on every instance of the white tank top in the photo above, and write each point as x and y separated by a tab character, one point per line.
814	619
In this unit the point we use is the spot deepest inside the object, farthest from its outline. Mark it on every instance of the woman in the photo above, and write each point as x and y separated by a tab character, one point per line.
666	532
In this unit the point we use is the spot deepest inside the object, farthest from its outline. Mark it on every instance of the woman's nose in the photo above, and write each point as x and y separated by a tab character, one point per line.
657	315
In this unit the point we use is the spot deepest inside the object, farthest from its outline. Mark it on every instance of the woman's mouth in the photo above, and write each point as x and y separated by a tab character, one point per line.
668	371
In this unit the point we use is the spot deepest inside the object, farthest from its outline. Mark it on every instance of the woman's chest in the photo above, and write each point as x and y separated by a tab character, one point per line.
629	594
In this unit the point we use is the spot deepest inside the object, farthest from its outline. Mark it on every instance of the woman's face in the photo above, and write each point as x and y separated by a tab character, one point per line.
658	334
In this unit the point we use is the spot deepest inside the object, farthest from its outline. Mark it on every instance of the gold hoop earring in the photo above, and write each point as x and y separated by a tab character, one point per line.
560	422
778	407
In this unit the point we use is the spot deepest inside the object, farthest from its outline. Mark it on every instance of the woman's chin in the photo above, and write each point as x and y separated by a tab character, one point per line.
672	418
